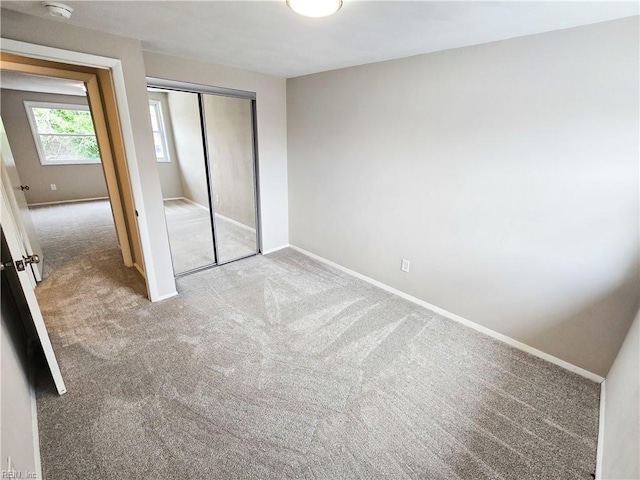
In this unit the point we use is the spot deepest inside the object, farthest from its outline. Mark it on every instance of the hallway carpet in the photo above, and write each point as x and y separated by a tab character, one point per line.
281	367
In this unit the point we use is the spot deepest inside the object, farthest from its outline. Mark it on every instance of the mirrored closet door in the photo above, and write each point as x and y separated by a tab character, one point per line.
229	128
205	148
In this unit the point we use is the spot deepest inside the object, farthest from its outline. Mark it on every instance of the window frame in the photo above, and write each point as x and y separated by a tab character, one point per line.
157	104
29	105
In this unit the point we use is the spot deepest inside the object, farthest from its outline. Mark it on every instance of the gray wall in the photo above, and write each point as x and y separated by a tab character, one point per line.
73	182
169	172
507	173
230	144
16	415
184	113
621	440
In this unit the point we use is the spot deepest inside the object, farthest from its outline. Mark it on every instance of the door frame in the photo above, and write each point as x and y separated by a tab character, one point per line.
120	107
96	100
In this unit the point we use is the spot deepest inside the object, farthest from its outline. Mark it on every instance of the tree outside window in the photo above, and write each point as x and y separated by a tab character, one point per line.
64	134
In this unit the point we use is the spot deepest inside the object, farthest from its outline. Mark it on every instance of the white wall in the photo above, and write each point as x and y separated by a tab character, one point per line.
149	205
73	182
506	172
621	439
272	130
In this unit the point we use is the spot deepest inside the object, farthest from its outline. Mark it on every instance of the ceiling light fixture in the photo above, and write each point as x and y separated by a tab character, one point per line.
315	8
57	9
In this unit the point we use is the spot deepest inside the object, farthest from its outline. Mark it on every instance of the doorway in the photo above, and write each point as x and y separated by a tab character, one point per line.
205	141
53	145
92	138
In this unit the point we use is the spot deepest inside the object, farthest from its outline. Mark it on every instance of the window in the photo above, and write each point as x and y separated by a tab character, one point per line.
63	133
159	137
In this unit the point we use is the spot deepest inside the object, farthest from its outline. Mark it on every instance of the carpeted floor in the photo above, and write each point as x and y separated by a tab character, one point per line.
190	236
74	234
281	367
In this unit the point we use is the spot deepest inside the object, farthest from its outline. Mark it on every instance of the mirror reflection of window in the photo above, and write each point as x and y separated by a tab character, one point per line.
158	128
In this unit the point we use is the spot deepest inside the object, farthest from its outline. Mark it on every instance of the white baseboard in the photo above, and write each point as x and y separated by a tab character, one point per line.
237	223
230	220
188	200
272	250
600	449
42	204
452	316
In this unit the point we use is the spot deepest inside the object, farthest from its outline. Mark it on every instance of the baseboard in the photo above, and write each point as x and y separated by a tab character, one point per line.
272	250
42	204
452	316
230	220
139	268
188	200
237	223
600	448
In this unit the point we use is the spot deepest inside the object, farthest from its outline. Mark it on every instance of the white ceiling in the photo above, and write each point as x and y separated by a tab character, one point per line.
266	36
38	83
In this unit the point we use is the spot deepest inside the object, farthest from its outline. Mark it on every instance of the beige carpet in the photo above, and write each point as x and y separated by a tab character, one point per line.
190	237
281	367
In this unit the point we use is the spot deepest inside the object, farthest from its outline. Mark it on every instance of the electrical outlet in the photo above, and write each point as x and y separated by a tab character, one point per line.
405	265
53	186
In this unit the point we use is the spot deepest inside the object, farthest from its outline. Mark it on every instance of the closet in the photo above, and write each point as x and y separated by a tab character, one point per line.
205	143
